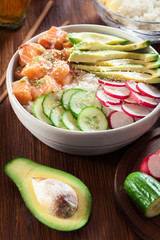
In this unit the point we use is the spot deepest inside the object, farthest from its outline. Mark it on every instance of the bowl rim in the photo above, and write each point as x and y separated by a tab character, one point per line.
9	77
124	17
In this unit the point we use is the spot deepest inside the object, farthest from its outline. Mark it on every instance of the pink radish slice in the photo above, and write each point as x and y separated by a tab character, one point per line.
114	107
135	110
111	83
119	119
143	100
129	100
104	98
151	165
148	90
117	92
132	85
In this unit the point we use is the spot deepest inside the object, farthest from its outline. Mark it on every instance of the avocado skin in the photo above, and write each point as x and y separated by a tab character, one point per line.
102	46
94	56
21	170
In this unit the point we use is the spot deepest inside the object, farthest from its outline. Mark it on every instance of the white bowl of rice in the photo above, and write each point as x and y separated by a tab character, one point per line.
79	142
139	17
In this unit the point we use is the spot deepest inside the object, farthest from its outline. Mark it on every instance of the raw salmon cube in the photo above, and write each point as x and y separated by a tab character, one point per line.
22	91
46	85
61	72
53	38
52	54
67	44
66	53
28	51
37	68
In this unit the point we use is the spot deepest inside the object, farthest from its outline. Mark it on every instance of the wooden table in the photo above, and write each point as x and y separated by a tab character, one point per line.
16	221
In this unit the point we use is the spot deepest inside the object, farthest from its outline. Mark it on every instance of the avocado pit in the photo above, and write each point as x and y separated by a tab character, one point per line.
56	197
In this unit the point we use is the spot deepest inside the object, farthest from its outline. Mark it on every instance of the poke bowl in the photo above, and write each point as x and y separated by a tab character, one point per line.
76	141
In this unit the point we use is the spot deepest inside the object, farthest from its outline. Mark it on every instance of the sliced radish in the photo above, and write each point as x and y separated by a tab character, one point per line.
143	100
151	165
148	90
111	83
132	85
114	107
129	100
135	110
104	98
117	92
119	119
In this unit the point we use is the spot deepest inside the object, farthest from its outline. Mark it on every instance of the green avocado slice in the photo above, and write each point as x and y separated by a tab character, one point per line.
125	67
125	76
94	56
102	46
25	172
75	38
119	62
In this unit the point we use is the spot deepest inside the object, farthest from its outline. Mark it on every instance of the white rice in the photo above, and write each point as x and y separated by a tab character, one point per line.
142	10
85	81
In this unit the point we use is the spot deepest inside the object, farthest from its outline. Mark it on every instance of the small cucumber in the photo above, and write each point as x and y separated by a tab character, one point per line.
50	101
82	99
56	116
70	121
67	95
92	118
38	110
144	191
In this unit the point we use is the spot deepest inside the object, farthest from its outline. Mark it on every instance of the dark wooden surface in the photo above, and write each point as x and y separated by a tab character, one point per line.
16	222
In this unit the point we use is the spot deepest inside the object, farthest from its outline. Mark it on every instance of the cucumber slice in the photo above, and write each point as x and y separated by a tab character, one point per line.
67	95
82	99
69	120
56	116
144	191
92	118
38	110
50	101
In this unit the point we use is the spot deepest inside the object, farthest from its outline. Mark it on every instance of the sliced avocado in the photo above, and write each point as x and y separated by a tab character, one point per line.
119	62
94	56
75	38
125	76
125	67
155	64
102	46
38	184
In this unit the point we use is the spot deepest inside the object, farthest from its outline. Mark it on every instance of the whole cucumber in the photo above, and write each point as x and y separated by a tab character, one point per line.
144	191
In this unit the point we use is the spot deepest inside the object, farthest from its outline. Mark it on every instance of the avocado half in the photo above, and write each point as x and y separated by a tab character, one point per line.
22	171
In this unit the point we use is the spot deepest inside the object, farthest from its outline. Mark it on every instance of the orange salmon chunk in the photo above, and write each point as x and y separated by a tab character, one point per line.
37	68
53	38
48	84
61	72
22	91
28	51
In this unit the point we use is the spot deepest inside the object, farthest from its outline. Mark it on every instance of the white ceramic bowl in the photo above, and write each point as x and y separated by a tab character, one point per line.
77	142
